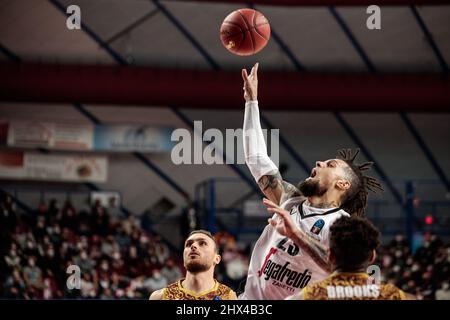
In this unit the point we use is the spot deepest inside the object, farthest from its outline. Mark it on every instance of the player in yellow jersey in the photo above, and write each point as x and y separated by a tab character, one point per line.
353	242
200	256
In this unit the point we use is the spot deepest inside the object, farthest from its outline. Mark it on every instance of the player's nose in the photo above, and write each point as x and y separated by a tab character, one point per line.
320	164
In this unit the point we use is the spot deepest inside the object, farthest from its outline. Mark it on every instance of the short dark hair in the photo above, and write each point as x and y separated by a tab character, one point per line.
206	233
352	240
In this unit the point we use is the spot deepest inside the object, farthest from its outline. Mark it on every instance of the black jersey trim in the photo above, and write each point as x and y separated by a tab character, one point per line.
303	215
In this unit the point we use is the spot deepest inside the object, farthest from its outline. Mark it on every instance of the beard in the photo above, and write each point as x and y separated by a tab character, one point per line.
196	266
311	188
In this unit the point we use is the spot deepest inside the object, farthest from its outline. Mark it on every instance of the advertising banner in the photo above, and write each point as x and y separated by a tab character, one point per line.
62	136
124	138
51	167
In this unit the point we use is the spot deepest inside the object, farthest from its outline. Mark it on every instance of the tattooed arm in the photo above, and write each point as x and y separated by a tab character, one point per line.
286	227
317	251
277	190
263	169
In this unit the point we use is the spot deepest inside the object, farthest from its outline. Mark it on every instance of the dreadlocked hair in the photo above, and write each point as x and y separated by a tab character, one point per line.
355	198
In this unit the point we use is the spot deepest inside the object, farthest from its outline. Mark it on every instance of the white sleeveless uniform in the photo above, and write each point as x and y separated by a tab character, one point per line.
278	267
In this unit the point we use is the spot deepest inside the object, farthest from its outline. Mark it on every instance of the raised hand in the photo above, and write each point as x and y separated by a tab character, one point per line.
283	222
250	83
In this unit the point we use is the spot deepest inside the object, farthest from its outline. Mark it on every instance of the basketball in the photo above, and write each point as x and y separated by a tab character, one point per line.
245	32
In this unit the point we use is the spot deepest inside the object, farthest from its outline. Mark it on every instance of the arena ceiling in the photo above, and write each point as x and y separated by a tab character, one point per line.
185	34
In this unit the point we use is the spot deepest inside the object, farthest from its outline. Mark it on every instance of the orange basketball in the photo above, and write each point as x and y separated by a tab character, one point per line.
245	32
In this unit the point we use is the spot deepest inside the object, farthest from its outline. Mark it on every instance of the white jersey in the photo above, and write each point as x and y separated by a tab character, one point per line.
278	267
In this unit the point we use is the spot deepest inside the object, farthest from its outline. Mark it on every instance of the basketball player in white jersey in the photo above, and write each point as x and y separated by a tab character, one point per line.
292	250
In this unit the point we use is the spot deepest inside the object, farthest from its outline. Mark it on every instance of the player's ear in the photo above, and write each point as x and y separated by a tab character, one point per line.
217	259
373	257
343	184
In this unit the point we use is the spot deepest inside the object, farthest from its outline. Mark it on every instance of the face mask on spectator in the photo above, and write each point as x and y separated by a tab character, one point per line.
144	240
104	284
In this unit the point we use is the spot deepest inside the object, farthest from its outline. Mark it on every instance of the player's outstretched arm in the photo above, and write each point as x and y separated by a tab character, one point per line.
284	224
261	166
156	295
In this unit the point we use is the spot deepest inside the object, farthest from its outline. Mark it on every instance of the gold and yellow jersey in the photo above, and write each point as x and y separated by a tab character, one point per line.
351	286
175	291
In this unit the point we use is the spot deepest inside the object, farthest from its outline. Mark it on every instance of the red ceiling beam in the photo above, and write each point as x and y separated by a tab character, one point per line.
125	85
298	3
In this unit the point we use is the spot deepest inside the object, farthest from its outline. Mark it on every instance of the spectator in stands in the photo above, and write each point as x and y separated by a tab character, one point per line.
109	246
236	265
156	281
15	286
8	223
88	286
53	210
84	262
171	271
161	250
443	293
106	294
32	274
12	259
50	287
100	219
69	217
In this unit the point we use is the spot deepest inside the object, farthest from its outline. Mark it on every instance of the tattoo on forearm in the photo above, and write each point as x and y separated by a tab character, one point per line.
316	251
275	186
269	181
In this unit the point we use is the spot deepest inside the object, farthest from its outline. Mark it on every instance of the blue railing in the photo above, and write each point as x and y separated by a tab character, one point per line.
420	198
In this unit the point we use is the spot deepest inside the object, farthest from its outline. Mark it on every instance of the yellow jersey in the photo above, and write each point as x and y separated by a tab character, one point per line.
175	291
351	286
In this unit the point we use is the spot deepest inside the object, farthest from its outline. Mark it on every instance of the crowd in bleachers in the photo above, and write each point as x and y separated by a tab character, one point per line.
119	259
116	257
424	273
